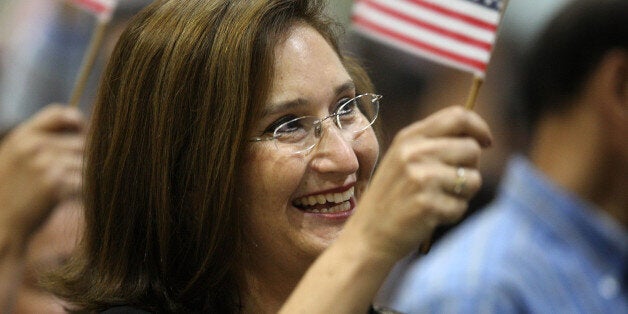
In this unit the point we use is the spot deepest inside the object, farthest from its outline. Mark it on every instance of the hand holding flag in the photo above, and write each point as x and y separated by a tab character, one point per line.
456	33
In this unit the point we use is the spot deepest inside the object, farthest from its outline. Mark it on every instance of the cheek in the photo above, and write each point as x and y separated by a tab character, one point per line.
366	149
268	180
267	183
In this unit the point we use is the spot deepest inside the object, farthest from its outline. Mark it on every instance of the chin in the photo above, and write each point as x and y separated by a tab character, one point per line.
321	238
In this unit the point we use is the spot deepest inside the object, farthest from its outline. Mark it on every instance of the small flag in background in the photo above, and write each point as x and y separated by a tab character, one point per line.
102	9
458	33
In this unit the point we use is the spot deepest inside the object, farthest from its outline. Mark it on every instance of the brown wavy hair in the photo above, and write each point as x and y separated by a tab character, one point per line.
175	105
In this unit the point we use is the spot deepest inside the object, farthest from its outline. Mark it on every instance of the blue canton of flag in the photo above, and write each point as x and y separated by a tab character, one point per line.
493	4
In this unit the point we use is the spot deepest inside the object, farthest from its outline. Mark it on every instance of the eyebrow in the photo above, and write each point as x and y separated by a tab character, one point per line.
300	102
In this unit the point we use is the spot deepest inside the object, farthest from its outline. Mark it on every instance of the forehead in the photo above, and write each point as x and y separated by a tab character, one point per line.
306	65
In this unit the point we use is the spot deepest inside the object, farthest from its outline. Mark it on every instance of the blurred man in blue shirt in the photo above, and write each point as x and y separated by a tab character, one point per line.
555	240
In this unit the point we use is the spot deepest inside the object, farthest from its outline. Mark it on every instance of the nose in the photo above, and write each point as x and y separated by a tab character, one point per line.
334	154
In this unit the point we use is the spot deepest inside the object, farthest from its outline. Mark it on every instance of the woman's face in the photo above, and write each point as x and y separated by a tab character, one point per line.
309	80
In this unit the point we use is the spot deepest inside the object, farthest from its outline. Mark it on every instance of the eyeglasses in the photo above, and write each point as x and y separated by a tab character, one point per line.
301	134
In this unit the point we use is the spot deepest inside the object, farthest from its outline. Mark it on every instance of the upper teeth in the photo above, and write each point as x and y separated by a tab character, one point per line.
324	198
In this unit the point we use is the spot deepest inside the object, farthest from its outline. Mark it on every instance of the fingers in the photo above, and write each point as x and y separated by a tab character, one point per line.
449	141
464	183
441	208
41	164
72	143
454	151
28	146
70	187
451	122
56	170
56	128
58	117
426	179
437	179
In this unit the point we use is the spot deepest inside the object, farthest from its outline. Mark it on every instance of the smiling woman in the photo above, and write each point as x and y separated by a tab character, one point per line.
275	212
283	201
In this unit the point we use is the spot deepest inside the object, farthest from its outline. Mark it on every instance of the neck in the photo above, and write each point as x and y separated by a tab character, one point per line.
569	149
267	287
259	297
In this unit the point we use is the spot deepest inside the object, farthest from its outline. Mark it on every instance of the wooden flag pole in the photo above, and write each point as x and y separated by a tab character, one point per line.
473	93
478	79
88	62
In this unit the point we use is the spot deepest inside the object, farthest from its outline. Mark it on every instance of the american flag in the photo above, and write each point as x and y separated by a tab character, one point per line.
103	9
458	33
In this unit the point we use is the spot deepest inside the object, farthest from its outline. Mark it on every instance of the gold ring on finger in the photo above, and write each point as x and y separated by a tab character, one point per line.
460	182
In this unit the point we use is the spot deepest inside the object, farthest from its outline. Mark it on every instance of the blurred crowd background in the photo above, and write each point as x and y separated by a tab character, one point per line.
42	43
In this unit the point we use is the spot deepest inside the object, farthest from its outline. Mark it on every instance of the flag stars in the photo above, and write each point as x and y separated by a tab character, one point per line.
493	4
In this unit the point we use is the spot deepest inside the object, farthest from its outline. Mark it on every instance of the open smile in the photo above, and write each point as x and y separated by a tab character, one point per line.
326	202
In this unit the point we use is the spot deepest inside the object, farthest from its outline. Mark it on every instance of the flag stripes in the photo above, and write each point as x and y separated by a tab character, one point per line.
459	33
103	9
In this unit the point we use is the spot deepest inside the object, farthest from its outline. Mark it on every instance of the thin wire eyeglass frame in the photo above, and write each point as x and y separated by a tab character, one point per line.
317	124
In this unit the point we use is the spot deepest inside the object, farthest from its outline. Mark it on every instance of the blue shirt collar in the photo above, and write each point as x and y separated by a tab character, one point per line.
568	217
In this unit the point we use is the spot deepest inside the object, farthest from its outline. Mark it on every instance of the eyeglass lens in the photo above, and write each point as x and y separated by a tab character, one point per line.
352	117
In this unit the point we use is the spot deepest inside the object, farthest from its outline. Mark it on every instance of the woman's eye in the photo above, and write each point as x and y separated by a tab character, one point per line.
346	106
291	126
279	123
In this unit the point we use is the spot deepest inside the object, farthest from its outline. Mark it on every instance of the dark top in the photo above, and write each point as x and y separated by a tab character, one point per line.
123	310
131	310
